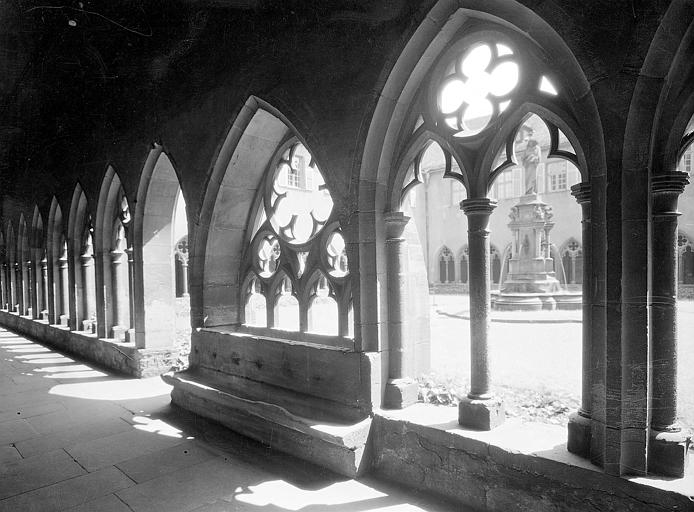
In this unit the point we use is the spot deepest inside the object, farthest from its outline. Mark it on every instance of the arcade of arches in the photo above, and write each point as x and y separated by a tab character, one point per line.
270	165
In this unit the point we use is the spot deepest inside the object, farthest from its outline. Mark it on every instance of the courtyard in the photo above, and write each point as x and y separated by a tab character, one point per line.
535	358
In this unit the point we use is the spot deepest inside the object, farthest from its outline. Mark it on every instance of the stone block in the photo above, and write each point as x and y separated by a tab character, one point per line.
400	393
668	453
481	414
119	333
64	320
579	434
340	447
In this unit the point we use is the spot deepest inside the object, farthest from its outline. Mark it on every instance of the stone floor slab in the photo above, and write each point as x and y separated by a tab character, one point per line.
71	437
8	454
109	503
106	451
14	431
35	472
154	465
69	493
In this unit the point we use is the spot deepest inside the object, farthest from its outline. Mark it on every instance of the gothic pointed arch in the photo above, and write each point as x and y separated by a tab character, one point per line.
83	274
113	248
11	250
39	271
56	245
23	258
154	251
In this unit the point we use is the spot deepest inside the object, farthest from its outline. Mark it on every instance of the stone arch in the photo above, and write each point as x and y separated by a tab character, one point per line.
685	250
231	191
445	261
463	265
384	139
11	250
155	285
56	273
23	259
4	287
38	255
81	252
112	210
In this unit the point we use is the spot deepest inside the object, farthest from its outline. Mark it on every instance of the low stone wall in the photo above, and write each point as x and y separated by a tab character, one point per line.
319	381
473	468
122	358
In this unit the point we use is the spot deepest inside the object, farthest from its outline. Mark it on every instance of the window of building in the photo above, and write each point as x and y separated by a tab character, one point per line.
556	176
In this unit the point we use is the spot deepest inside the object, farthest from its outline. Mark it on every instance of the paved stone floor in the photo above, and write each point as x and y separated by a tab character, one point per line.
73	437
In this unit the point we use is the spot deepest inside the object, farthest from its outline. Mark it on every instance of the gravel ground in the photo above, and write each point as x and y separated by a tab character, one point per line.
536	367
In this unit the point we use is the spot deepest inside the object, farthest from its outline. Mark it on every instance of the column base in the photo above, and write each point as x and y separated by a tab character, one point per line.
481	414
578	441
130	336
119	333
44	315
668	453
89	326
400	393
64	320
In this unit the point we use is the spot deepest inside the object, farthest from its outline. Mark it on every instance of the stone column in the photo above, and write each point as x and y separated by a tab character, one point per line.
668	443
88	287
579	432
130	333
480	410
44	284
17	287
64	288
401	389
184	276
30	289
118	295
3	284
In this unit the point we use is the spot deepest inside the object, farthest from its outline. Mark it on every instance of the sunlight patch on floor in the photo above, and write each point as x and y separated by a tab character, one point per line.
286	496
114	389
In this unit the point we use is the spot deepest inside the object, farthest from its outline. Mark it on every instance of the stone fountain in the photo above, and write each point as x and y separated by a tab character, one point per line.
531	283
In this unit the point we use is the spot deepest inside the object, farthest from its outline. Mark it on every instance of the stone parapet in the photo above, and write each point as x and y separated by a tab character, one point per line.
122	358
340	447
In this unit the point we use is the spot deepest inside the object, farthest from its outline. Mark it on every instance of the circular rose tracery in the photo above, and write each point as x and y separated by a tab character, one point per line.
300	202
476	88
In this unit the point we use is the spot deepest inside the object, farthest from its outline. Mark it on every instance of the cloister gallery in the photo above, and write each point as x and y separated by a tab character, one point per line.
264	157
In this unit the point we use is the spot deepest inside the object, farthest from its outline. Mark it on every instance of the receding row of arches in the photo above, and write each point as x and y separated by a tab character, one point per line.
452	269
103	269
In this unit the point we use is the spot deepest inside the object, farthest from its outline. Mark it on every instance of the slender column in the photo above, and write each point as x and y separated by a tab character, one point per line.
184	276
44	284
16	289
64	288
668	443
30	289
130	333
401	390
481	409
3	284
119	300
579	432
88	287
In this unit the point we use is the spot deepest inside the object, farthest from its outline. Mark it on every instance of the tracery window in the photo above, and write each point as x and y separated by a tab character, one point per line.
296	267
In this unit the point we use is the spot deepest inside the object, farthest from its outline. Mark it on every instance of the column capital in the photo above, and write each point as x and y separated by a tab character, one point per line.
395	224
478	206
581	191
666	189
668	183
